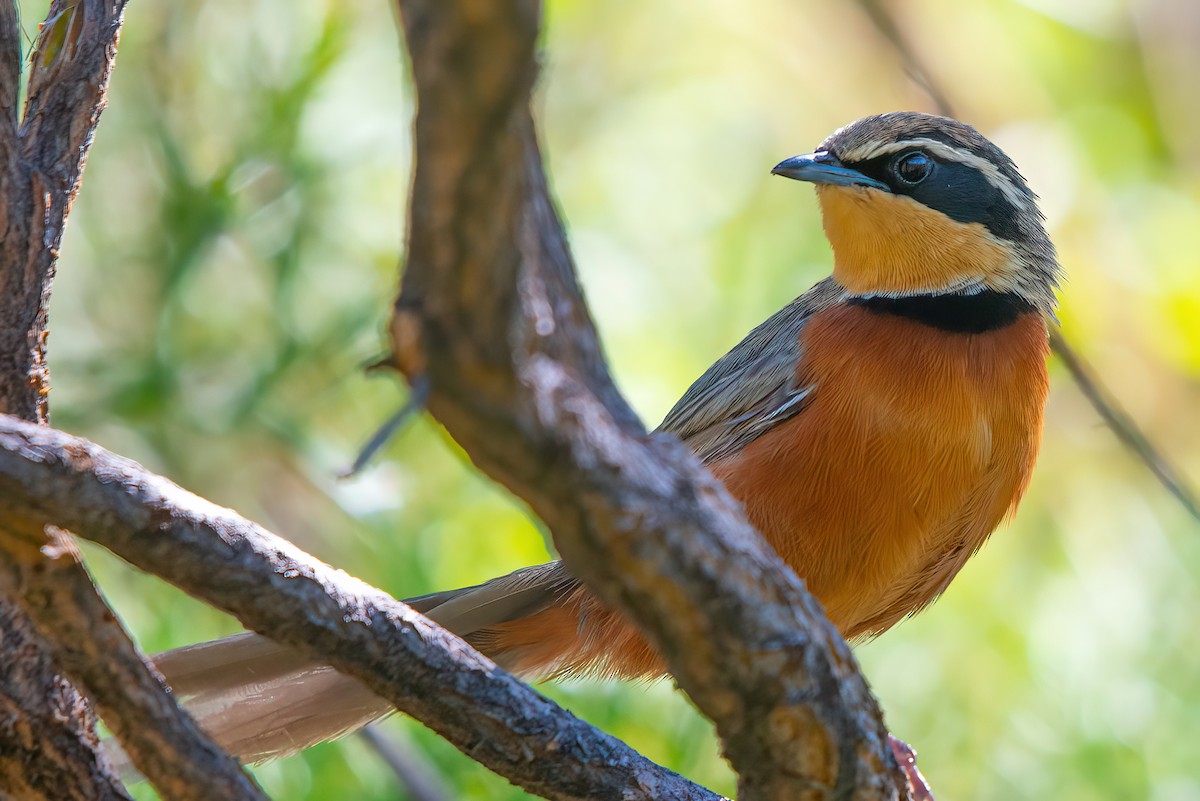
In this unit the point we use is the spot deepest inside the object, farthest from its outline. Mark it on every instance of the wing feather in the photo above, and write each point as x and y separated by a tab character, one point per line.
753	388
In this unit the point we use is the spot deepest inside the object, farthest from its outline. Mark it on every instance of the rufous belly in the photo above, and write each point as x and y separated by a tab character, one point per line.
916	444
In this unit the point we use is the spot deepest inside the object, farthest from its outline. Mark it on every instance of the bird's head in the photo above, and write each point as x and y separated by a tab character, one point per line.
915	204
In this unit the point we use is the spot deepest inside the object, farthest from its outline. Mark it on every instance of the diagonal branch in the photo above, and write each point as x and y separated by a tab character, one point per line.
51	478
48	747
165	744
1122	425
40	170
491	312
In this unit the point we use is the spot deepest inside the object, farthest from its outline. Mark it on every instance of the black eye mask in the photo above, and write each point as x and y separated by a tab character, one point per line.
959	191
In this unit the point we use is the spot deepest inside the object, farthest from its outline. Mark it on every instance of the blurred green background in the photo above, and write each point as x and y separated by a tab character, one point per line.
231	260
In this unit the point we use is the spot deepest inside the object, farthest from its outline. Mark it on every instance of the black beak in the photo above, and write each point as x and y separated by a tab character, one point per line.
824	168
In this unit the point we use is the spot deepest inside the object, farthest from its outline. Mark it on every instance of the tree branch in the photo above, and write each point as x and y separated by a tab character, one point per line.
51	478
40	170
1126	429
491	313
10	66
48	748
71	64
96	652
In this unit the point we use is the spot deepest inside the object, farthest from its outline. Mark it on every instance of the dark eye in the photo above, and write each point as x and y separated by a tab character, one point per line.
912	168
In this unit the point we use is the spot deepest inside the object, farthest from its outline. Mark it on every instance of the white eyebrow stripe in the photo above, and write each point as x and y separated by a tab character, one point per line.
989	170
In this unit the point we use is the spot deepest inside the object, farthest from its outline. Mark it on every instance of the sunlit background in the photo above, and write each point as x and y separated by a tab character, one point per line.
231	259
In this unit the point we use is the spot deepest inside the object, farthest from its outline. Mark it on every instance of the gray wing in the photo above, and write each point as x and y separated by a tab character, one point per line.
753	387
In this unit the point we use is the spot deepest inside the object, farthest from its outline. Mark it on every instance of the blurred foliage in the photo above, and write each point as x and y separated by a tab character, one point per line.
231	258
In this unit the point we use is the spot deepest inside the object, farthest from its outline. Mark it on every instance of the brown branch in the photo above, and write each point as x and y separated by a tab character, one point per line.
10	66
48	748
70	66
69	72
50	478
39	177
491	312
1126	429
99	655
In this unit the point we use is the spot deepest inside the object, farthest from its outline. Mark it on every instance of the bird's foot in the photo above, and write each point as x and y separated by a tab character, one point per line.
918	789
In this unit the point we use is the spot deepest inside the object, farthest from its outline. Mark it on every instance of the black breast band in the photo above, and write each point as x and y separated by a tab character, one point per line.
963	314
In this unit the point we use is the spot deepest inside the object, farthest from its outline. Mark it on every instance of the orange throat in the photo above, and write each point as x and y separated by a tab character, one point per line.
886	244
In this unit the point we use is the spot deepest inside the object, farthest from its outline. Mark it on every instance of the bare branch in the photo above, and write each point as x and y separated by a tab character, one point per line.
69	75
491	312
68	83
50	478
160	738
39	177
10	67
1121	424
163	742
47	733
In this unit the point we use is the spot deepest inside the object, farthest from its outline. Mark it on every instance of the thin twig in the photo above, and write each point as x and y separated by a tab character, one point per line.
914	66
420	782
418	396
1121	424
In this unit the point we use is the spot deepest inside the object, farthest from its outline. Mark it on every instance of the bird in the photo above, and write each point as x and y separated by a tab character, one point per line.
876	431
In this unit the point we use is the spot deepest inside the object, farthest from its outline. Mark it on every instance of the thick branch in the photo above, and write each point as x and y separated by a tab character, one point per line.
69	75
164	742
39	177
491	313
10	66
68	84
47	732
50	478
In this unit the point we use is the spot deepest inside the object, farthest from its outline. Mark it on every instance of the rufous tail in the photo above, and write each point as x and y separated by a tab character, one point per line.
259	700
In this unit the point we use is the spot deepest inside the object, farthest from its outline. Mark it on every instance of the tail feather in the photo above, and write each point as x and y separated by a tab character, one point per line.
260	700
513	597
287	714
244	658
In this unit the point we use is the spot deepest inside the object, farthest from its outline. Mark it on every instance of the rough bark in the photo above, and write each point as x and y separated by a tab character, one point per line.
48	748
42	157
97	653
47	740
51	478
491	314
